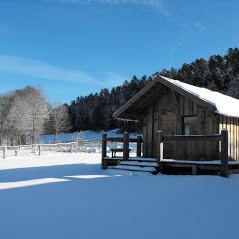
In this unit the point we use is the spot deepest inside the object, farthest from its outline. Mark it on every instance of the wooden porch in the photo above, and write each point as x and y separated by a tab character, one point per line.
223	166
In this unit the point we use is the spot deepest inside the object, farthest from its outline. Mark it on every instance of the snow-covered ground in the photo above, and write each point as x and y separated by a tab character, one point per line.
87	135
68	196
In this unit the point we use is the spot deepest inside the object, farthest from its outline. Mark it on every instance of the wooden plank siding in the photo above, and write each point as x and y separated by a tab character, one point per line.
167	114
149	132
237	139
232	125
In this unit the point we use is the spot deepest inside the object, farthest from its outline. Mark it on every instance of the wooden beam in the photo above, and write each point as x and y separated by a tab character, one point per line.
126	146
224	152
174	97
104	145
216	137
120	139
160	146
139	142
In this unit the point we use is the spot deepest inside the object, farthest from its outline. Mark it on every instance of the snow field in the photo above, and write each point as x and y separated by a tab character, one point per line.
68	196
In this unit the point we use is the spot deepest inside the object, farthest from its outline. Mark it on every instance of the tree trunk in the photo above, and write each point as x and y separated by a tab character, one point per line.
55	137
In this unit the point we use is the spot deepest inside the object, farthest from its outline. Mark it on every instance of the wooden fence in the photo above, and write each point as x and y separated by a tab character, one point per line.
223	138
39	147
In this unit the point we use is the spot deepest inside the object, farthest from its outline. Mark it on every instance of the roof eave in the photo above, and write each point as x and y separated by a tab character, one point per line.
159	79
133	99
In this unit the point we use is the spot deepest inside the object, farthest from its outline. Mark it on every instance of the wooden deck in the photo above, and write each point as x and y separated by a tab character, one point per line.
215	166
169	165
222	167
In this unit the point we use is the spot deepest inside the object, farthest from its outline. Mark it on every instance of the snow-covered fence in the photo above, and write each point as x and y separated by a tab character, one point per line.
4	150
82	146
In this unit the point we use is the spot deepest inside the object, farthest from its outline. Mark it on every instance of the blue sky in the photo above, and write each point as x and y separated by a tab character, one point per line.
75	47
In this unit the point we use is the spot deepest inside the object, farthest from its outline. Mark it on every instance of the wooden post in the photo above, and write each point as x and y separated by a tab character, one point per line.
16	151
194	169
104	145
160	150
4	152
139	140
224	153
39	149
160	146
126	146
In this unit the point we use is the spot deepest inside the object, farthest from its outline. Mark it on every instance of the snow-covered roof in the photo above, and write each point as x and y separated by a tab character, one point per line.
225	105
217	102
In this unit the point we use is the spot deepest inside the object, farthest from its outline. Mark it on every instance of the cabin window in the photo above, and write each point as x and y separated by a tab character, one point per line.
190	125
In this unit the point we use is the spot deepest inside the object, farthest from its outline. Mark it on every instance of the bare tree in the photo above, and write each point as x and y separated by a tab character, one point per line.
60	119
18	119
39	113
28	114
5	105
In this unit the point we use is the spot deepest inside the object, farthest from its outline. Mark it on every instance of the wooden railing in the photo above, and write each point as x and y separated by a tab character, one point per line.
223	137
125	140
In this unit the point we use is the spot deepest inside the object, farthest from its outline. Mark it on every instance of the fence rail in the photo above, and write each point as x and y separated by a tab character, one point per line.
39	147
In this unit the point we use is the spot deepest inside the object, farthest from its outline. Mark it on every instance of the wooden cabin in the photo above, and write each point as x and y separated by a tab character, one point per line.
178	108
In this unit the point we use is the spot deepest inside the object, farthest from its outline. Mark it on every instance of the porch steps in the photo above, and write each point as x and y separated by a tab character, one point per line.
141	163
142	159
135	168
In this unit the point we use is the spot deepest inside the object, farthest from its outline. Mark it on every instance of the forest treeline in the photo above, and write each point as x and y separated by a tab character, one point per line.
26	113
94	112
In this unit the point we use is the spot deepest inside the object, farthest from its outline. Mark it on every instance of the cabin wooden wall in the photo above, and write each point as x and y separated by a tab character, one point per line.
232	125
168	115
147	133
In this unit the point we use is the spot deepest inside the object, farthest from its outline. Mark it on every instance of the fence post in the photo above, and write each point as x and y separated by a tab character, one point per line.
39	148
4	152
76	147
126	146
224	153
160	149
139	140
104	145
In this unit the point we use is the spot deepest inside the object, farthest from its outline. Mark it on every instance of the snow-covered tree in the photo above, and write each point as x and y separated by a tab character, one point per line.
5	105
28	113
60	119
